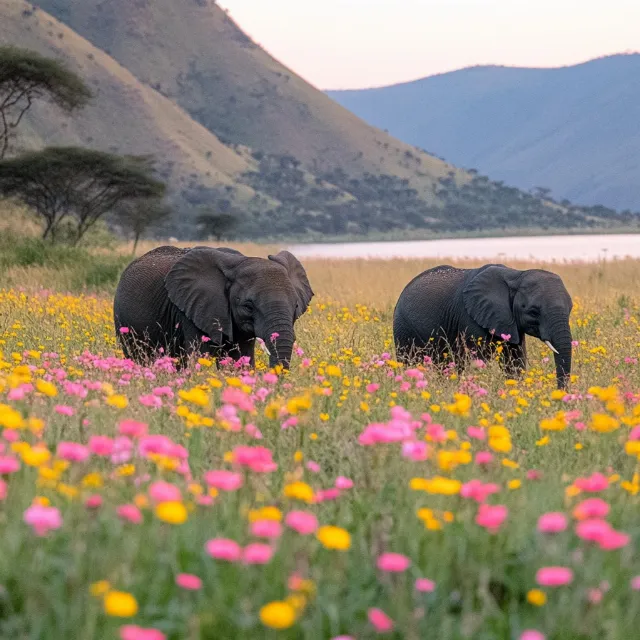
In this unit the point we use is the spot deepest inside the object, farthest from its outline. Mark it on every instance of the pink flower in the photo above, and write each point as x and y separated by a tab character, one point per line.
132	428
552	522
134	632
325	495
3	489
8	465
380	620
554	576
292	421
93	502
505	336
205	339
416	451
188	581
266	529
42	519
532	634
257	553
594	483
163	391
164	492
101	445
476	490
64	410
478	433
593	529
372	387
313	466
613	539
150	401
302	522
129	513
425	585
274	336
595	596
224	549
635	583
343	483
591	508
124	329
223	480
491	517
72	451
484	457
393	562
258	459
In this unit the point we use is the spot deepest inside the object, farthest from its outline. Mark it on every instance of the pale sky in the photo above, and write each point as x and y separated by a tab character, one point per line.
342	44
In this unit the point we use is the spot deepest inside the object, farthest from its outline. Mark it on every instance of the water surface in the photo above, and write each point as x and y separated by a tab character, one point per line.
587	248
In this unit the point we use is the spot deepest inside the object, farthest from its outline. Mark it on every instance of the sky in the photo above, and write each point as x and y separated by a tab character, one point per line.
350	44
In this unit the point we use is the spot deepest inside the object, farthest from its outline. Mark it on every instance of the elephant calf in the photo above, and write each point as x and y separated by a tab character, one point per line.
458	311
215	301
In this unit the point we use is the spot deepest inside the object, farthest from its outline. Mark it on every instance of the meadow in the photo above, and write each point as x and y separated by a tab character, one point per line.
348	497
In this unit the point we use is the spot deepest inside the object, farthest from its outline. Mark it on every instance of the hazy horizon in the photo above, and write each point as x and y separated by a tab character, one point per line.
374	43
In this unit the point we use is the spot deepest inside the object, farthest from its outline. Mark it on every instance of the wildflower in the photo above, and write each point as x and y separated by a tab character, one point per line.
277	615
532	634
257	553
101	445
591	508
42	519
266	529
98	589
393	562
120	604
132	428
334	538
380	620
554	576
93	502
72	451
118	401
333	371
491	517
603	423
195	396
47	388
130	513
8	465
188	581
425	585
64	410
594	483
343	483
224	480
536	597
224	549
171	512
133	632
552	522
635	583
302	522
299	491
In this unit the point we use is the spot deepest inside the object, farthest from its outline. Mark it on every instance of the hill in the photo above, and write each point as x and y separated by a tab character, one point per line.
235	130
572	129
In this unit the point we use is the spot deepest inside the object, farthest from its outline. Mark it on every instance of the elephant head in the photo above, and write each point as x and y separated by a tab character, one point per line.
512	303
229	296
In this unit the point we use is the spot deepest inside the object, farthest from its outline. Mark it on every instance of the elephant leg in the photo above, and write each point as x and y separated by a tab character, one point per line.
514	360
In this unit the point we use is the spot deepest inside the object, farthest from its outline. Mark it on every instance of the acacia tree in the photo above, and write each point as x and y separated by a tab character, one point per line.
138	215
25	77
83	184
215	225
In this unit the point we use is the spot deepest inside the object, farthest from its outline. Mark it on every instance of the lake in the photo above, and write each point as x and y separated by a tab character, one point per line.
586	248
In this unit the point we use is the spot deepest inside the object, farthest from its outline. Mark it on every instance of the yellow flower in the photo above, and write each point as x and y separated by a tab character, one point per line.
543	441
461	405
299	491
557	423
118	401
98	589
602	423
48	388
35	456
277	615
334	538
298	404
93	480
632	448
195	396
272	410
510	464
514	484
333	371
120	604
9	417
266	513
436	485
448	460
536	597
172	512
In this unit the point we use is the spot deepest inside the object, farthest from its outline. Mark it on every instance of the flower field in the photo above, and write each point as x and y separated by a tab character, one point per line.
348	497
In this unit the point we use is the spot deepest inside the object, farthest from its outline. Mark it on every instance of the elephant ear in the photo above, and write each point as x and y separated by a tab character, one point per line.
488	299
197	285
298	277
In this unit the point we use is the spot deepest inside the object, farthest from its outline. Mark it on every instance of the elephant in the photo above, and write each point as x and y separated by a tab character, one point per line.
177	302
446	310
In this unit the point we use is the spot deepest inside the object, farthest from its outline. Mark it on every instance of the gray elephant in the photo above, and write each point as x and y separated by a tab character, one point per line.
214	301
453	311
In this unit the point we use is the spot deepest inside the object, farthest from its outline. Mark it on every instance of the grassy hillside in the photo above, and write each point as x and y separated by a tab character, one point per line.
126	116
573	129
235	130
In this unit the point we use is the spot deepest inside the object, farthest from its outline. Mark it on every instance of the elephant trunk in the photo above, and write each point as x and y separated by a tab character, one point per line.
278	335
560	338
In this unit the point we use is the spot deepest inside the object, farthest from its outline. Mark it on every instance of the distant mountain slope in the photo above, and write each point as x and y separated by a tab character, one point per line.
125	116
192	52
575	130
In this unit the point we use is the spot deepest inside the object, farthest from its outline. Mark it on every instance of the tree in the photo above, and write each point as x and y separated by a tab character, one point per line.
138	215
84	184
26	76
215	225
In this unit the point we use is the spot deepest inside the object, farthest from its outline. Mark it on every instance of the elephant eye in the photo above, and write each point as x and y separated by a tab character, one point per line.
534	312
248	304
